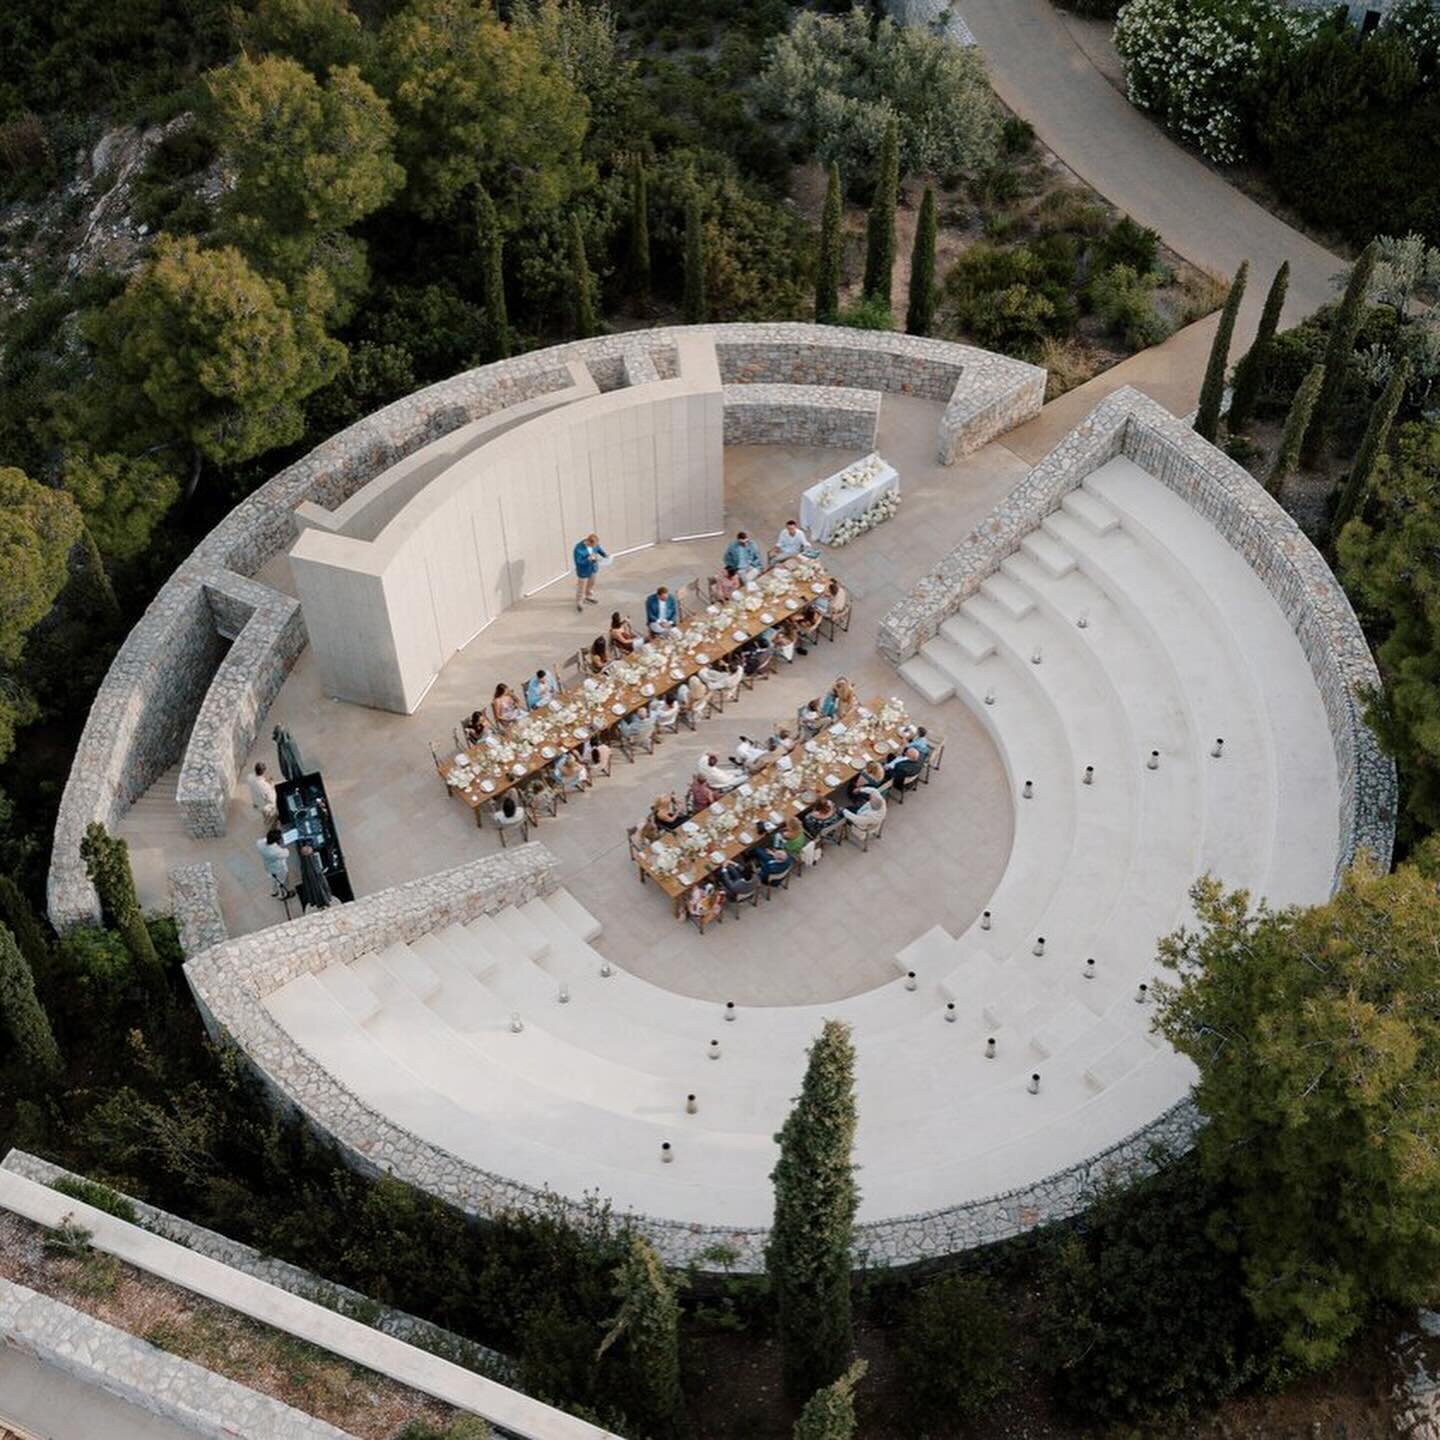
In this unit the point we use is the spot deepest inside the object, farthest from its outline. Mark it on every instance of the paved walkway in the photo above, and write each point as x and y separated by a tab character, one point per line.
46	1404
1042	73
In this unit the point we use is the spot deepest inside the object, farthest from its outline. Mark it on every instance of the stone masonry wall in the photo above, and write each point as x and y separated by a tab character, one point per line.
153	1380
284	1276
801	415
150	699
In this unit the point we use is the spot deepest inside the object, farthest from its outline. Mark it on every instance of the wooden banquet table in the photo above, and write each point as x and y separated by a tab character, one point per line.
484	772
678	859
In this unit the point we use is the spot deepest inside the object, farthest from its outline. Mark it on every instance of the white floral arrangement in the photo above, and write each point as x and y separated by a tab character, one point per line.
884	507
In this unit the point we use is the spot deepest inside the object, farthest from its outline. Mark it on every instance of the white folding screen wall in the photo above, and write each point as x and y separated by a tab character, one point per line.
635	466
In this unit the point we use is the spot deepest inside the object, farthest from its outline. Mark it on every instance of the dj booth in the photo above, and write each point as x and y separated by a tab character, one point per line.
306	819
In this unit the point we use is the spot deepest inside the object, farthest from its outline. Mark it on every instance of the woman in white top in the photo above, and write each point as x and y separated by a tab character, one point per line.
695	697
571	774
666	711
720	677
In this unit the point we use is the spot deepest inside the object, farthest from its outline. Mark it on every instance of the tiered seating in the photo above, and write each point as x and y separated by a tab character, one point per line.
1180	645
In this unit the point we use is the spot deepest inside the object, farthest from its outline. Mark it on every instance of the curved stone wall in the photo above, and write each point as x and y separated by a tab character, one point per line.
152	707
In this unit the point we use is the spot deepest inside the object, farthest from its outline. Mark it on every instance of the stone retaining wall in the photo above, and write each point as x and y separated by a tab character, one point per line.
1296	575
801	415
197	1400
284	1276
195	904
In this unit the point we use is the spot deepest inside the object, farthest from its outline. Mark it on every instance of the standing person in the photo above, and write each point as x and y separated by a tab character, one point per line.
662	611
743	556
588	554
275	857
262	792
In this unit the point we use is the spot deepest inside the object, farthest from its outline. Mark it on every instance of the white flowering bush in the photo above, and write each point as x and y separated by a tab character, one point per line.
1417	23
867	519
1189	61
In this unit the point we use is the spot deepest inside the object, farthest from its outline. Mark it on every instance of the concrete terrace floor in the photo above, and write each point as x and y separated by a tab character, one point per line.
837	929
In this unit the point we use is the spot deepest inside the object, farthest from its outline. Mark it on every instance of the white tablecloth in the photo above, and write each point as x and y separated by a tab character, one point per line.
819	522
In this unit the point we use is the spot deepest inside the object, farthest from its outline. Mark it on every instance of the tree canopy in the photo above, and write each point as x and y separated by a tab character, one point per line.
1318	1045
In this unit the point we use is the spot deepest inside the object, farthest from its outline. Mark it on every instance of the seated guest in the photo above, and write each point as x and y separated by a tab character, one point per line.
784	637
700	794
570	774
783	741
638	727
506	706
475	727
791	540
905	766
750	753
772	860
662	612
834	602
920	742
742	556
723	675
649	830
872	777
757	655
724	585
623	638
597	657
793	838
718	777
668	812
839	700
666	710
540	689
810	718
807	625
597	757
869	813
823	817
695	697
738	878
704	904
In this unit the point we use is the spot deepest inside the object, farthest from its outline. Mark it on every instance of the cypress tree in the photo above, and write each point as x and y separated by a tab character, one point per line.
829	1414
22	1016
1348	319
832	239
649	1323
1377	432
1207	420
920	315
1254	367
107	861
696	306
492	274
808	1255
1302	409
582	283
880	229
97	581
30	935
639	264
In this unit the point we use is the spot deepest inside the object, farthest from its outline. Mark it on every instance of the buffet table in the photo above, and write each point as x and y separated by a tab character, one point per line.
851	491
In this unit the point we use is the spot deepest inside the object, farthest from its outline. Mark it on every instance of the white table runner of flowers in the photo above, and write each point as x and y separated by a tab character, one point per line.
832	510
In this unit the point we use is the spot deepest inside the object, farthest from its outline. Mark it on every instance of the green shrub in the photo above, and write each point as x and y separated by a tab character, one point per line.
1128	244
102	1197
873	313
1017	136
953	1350
1011	300
1125	301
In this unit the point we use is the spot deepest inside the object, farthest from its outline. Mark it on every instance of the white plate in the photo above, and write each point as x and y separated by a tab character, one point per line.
811	746
677	674
657	846
686	879
702	659
767	617
548	751
817	589
617	709
554	705
746	838
459	758
832	781
647	689
690	828
487	786
792	604
776	818
747	789
838	728
718	856
741	635
517	768
712	609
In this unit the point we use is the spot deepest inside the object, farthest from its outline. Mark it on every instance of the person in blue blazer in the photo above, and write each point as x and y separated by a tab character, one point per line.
589	552
662	612
743	556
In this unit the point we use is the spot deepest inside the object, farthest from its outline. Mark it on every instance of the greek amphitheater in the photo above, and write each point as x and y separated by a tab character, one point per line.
1133	667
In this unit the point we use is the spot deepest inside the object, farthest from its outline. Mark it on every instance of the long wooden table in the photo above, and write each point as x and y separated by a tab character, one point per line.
678	859
484	772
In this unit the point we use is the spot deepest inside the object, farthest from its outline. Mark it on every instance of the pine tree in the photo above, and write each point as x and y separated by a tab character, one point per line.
1254	367
829	1414
1207	419
27	928
22	1016
880	229
832	239
696	307
808	1255
639	261
582	283
1372	446
1302	408
107	861
920	315
649	1324
492	275
1346	326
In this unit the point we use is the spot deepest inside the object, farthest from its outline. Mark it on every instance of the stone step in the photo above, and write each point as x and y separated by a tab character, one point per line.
969	637
1054	559
1009	596
1091	511
927	679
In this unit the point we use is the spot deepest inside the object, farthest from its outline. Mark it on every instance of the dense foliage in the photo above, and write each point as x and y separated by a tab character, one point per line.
1347	125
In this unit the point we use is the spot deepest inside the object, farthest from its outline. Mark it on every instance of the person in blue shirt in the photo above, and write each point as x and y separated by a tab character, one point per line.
920	743
772	860
743	556
588	554
540	689
662	612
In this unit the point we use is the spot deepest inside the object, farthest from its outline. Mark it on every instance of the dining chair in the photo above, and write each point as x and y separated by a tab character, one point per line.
932	760
507	825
